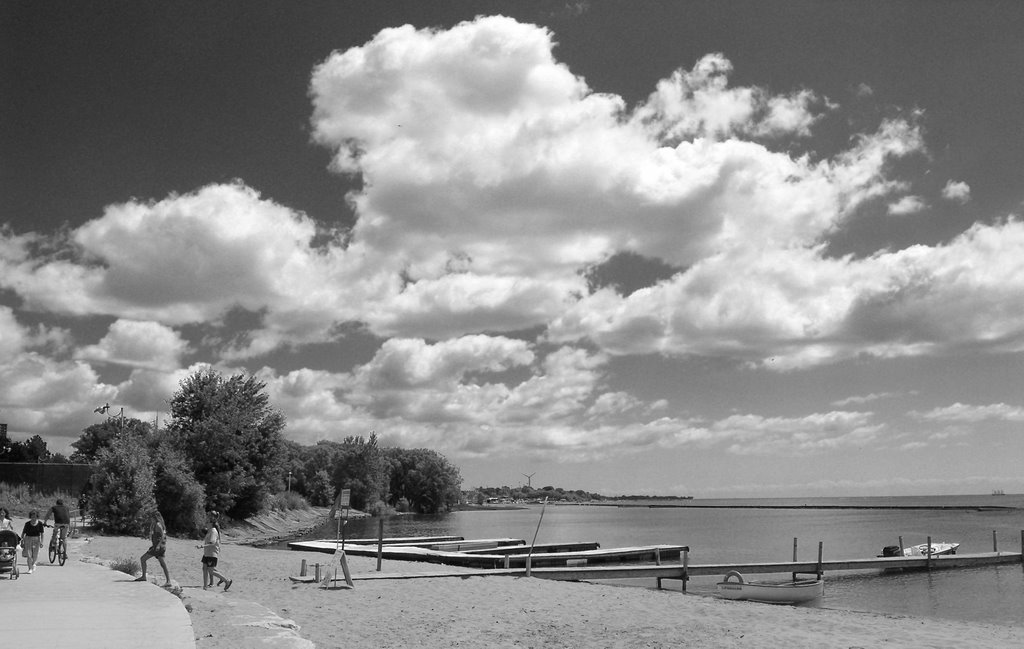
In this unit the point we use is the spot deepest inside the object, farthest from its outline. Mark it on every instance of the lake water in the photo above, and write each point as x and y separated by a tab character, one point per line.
717	531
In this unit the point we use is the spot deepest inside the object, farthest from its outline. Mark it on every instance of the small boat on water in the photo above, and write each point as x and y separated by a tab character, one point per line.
938	548
734	586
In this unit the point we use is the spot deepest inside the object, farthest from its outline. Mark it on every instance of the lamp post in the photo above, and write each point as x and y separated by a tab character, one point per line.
105	410
289	482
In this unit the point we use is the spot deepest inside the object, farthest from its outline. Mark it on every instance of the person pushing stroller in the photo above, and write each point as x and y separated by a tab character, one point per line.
9	543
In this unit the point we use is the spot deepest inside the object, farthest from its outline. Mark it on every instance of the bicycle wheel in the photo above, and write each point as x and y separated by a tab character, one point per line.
53	552
62	552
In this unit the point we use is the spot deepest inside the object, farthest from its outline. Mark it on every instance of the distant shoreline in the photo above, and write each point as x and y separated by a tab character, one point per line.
938	507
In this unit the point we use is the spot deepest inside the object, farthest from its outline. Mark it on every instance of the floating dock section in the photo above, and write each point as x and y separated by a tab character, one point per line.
489	554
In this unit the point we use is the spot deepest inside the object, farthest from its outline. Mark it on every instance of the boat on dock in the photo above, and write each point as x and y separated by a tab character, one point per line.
936	549
798	591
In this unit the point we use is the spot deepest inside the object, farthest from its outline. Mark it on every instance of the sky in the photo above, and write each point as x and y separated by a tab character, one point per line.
718	249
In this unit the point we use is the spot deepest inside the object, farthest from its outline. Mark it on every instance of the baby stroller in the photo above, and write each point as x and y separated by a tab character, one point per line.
9	554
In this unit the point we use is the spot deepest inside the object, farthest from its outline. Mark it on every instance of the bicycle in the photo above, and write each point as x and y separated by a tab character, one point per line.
58	548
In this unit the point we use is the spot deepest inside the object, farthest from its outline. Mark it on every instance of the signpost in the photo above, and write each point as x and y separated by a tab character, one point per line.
342	503
341	507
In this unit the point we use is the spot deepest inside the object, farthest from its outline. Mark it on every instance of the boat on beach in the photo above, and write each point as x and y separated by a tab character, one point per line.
797	591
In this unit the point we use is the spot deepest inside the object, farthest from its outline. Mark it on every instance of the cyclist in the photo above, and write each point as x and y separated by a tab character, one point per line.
61	522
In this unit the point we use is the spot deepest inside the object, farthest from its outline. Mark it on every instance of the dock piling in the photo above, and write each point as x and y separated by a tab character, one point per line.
302	569
380	542
686	564
995	546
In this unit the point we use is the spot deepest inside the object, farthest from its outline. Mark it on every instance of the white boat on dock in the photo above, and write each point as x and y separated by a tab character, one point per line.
937	549
798	591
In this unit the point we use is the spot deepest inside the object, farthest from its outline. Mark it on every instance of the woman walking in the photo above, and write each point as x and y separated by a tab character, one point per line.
158	537
32	539
211	554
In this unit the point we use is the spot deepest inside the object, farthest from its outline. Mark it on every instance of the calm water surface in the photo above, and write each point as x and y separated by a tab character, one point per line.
731	535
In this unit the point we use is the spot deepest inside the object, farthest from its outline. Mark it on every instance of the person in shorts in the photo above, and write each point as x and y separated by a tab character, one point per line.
61	522
211	555
158	547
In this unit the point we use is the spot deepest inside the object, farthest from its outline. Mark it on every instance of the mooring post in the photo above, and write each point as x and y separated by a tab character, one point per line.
316	568
901	546
821	545
1022	546
794	575
995	546
506	562
302	569
928	561
380	542
528	562
686	563
657	556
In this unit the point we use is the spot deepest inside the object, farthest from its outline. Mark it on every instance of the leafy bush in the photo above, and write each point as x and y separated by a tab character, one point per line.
231	437
286	501
178	494
123	484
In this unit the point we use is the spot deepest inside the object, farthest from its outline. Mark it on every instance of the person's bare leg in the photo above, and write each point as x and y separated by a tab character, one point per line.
167	575
142	561
220	577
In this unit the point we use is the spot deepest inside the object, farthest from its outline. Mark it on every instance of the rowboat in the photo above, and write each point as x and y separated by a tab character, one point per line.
921	550
787	592
937	549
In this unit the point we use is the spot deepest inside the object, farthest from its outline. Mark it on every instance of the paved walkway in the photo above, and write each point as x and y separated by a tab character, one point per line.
88	606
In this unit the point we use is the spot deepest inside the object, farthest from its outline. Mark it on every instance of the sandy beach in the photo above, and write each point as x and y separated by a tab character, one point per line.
265	609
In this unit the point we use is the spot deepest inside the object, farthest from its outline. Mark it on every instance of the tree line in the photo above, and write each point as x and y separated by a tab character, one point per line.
223	449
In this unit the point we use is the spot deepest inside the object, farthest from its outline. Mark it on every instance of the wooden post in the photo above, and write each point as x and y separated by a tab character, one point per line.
820	547
901	546
302	569
316	572
506	562
528	561
928	562
380	542
686	567
794	558
657	556
995	546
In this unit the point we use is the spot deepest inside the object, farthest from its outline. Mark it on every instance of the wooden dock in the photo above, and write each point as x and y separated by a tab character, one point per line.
516	557
683	571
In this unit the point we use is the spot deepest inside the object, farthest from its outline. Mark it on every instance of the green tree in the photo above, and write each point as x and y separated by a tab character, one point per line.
357	465
123	482
320	489
32	449
231	436
179	496
423	478
99	436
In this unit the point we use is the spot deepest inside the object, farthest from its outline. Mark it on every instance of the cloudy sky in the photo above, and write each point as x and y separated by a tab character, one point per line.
693	248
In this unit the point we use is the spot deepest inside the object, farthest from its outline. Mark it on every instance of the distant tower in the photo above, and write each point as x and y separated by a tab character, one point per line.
528	477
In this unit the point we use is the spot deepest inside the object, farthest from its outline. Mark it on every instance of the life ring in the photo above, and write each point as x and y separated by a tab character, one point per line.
733	573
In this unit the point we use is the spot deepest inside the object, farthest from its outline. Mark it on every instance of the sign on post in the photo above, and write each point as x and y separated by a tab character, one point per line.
343	501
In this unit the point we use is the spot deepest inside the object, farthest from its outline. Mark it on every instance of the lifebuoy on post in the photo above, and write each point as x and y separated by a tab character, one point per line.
733	573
